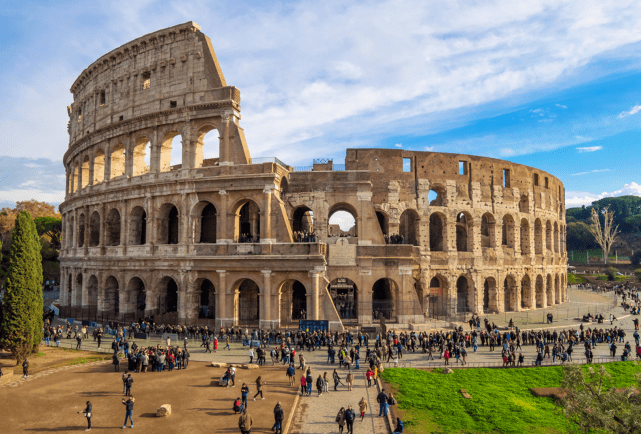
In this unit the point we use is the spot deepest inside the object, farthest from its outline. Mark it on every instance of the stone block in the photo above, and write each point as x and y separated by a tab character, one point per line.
252	366
163	410
219	365
448	371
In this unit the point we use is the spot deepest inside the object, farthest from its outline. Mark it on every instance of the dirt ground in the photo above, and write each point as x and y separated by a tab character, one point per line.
50	403
48	357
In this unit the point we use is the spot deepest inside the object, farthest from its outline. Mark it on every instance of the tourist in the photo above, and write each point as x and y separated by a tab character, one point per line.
128	382
369	374
349	419
238	406
251	355
279	415
116	362
310	380
399	426
129	412
382	400
87	413
244	391
320	385
350	380
337	379
303	384
259	387
232	373
25	368
340	419
245	422
362	406
291	372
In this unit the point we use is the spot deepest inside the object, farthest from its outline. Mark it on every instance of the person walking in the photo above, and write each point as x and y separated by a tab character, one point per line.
279	415
259	387
87	413
369	374
340	419
245	422
25	368
303	384
129	412
291	371
350	380
320	385
116	362
382	400
349	419
362	406
337	379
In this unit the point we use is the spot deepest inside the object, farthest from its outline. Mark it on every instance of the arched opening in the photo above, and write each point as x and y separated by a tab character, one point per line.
345	296
110	303
550	291
112	233
99	166
208	224
137	297
384	292
488	227
408	227
207	308
293	301
169	224
524	204
247	226
117	161
142	154
438	298
342	221
248	306
463	295
283	187
383	222
78	290
526	293
207	147
556	237
94	229
74	179
85	172
509	294
302	222
435	196
525	237
508	231
299	301
81	230
490	296
168	296
171	152
463	229
539	293
92	294
71	228
437	234
548	236
557	290
138	230
538	237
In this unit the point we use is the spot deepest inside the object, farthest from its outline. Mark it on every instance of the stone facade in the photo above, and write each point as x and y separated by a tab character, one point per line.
215	237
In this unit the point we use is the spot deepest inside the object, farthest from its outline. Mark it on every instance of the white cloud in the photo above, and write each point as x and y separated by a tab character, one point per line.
428	149
399	145
591	171
578	198
54	197
28	183
589	148
561	106
633	111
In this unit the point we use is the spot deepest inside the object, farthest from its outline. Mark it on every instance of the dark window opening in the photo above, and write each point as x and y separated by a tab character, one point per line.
103	98
173	104
121	118
172	229
146	80
536	179
506	178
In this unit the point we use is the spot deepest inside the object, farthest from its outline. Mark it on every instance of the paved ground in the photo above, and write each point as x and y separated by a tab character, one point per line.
48	401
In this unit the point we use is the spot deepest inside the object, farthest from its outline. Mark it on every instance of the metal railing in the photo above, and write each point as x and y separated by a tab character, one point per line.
303	168
261	160
440	363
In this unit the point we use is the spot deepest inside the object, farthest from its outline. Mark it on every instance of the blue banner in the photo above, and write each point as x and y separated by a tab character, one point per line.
313	326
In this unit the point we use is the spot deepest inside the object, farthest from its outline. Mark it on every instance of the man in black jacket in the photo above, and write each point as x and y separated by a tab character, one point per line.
87	413
382	400
279	415
129	412
349	419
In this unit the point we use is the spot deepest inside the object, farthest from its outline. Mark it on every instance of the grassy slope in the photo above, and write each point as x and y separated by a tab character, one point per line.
501	401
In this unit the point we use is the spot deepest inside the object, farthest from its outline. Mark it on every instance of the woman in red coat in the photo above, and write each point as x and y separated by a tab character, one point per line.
446	356
215	344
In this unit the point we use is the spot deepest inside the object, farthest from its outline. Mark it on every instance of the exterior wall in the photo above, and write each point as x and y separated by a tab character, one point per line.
109	185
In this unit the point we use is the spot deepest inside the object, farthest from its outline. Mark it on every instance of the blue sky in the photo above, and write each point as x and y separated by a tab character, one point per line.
550	84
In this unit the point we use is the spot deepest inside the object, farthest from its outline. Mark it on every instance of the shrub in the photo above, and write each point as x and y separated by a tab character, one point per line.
612	273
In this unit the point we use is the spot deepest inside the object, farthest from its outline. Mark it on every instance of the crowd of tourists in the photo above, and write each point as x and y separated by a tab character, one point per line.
394	239
304	237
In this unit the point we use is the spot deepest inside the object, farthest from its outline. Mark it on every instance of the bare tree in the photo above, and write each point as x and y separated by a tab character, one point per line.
605	236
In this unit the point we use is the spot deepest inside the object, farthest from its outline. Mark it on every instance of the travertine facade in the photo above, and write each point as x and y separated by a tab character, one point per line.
142	236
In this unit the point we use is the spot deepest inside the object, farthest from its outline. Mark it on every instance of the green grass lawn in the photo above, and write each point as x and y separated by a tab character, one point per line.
501	401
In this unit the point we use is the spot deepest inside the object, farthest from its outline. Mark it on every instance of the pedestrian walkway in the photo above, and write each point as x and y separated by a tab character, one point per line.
317	415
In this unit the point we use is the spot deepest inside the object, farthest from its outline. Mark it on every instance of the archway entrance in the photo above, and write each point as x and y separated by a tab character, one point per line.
383	305
137	297
248	307
509	294
539	293
208	224
526	292
110	304
462	295
490	296
438	300
408	227
436	233
248	223
302	220
92	294
344	295
293	301
207	307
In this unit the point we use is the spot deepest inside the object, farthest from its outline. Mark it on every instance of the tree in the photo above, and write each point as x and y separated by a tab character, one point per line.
635	259
593	403
22	311
50	228
605	236
634	221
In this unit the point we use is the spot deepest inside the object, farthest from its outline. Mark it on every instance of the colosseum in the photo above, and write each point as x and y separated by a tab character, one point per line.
158	221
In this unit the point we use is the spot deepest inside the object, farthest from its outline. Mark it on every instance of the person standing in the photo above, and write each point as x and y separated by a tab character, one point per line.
129	412
128	382
279	415
340	419
382	400
369	374
251	355
87	413
349	419
362	406
303	384
350	380
320	385
25	368
116	362
245	422
337	379
290	374
244	391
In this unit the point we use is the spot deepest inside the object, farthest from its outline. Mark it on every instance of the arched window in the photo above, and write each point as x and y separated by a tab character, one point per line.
408	227
383	223
247	222
142	156
169	224
207	147
85	172
94	229
117	161
508	231
302	222
436	195
383	294
342	221
488	228
208	224
207	307
437	233
138	231
283	187
137	296
112	233
99	166
525	237
171	152
344	295
463	232
526	292
81	230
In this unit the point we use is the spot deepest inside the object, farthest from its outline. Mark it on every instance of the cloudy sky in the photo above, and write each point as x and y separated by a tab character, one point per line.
552	84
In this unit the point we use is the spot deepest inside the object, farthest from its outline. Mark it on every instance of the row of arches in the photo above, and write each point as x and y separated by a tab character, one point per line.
142	157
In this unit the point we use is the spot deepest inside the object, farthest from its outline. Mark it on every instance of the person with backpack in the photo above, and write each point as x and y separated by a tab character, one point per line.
303	384
279	415
291	371
337	379
128	383
245	422
399	426
310	382
244	391
340	419
349	419
238	406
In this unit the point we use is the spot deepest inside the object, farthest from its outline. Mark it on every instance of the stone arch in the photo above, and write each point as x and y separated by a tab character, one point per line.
303	219
111	297
510	294
246	221
490	296
112	228
141	155
344	293
550	291
539	293
556	237
205	217
548	236
464	295
94	229
525	237
74	179
92	292
526	292
437	232
294	301
207	151
167	295
246	301
207	299
383	222
524	204
538	237
508	231
136	296
85	172
81	230
138	226
78	291
345	213
384	294
117	161
439	297
99	166
557	290
283	187
169	224
464	236
436	196
488	231
171	151
408	227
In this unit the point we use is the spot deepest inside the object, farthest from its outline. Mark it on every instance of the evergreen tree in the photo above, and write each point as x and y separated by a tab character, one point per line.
22	309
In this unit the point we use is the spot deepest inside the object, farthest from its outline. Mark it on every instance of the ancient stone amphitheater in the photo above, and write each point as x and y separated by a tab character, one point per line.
214	236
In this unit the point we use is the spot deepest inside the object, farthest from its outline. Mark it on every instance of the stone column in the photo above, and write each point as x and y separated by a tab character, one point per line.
224	235
314	309
107	163
221	299
265	300
266	220
154	159
223	153
85	248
